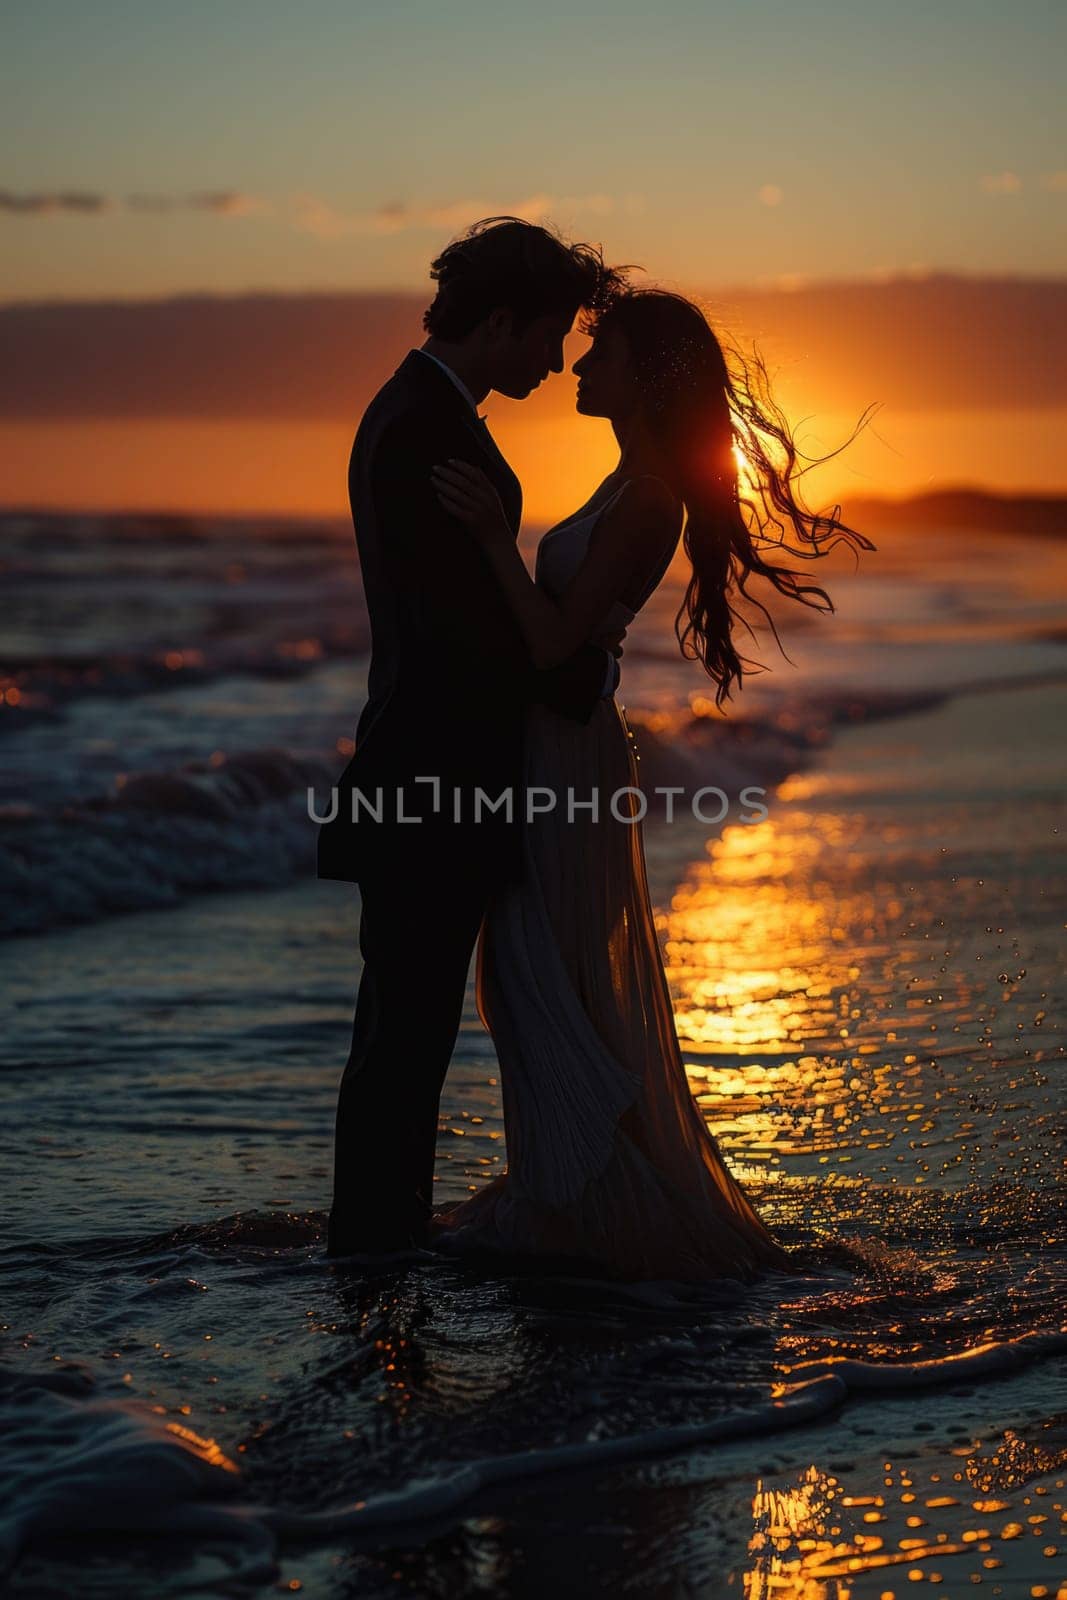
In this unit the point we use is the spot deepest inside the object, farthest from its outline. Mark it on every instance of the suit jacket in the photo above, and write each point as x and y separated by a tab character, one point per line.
450	675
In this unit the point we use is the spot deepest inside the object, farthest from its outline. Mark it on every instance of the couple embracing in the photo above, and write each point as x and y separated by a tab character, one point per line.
485	681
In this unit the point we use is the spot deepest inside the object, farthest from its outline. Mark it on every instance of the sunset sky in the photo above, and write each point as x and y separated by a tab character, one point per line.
728	148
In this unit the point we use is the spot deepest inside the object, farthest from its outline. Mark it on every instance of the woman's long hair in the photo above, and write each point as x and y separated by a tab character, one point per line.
716	427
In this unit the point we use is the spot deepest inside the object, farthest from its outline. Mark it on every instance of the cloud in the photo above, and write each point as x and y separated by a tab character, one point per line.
310	213
229	203
223	203
38	204
1011	183
908	341
151	202
314	215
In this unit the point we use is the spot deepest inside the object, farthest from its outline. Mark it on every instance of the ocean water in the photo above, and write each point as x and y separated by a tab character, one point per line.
869	989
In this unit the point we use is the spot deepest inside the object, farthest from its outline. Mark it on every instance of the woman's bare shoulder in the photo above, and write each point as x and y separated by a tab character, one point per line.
647	506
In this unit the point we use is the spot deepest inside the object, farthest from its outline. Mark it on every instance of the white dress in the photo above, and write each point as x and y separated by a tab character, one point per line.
609	1159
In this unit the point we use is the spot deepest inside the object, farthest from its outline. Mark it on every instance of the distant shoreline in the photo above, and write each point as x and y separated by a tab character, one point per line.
962	509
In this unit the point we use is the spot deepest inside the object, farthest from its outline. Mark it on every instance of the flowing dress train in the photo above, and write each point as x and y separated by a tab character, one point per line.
609	1159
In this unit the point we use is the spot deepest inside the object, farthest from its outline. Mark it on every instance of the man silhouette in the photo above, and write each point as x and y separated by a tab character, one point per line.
450	679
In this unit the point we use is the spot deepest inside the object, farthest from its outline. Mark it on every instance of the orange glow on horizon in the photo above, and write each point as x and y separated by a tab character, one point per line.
299	468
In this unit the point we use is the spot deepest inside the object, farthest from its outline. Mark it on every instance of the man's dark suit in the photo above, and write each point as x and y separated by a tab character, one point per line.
449	682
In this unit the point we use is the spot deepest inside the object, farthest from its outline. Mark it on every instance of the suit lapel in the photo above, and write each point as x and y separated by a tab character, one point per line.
506	483
437	386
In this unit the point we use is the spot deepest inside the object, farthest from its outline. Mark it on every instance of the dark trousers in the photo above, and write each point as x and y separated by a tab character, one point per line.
417	934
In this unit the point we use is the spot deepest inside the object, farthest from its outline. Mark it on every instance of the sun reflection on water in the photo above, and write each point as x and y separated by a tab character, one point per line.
864	1029
755	961
812	1540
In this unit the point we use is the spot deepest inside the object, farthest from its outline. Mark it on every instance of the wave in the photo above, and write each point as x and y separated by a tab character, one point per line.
35	532
122	606
37	687
241	821
692	749
84	1463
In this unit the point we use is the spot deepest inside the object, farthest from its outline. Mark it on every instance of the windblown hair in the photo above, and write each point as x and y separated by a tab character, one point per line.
503	262
734	462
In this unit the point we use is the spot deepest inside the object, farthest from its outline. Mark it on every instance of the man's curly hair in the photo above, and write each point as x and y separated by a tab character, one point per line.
521	267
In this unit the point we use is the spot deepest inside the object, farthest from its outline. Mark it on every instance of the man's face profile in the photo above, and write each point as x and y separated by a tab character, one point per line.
527	359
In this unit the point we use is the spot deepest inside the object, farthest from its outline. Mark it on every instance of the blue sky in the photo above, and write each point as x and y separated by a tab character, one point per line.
713	143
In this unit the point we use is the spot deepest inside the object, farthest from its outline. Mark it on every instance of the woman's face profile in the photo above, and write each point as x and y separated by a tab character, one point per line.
606	383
